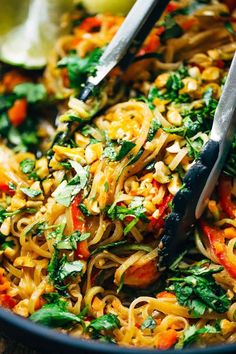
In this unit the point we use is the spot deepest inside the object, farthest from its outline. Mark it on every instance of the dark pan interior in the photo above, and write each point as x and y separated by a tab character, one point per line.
50	341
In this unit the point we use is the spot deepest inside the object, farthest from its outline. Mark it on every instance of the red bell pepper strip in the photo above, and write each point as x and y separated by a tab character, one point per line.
90	23
224	190
6	189
220	64
158	223
217	242
78	219
7	301
171	7
186	25
153	41
151	46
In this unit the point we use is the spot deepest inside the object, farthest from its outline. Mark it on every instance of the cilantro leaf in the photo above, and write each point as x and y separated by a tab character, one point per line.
79	68
108	246
32	92
6	101
68	269
59	269
55	315
230	164
149	323
31	193
66	191
172	29
155	125
106	322
6	214
229	27
126	146
111	152
52	298
27	166
198	290
192	334
4	124
84	209
5	243
70	243
135	209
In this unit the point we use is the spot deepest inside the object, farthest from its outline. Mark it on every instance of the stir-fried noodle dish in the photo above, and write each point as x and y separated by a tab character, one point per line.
85	187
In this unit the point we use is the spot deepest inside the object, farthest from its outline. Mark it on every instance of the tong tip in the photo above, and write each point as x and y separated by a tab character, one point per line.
86	91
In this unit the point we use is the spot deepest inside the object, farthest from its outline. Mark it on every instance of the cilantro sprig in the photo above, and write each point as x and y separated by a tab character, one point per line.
196	288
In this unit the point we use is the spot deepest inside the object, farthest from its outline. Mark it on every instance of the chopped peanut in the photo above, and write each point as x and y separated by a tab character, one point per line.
81	140
162	172
174	117
41	166
211	74
76	154
93	152
175	184
190	85
161	80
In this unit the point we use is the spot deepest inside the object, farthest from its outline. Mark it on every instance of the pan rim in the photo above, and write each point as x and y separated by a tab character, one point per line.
25	327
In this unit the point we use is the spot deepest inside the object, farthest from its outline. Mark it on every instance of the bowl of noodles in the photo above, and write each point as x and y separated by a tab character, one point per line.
85	189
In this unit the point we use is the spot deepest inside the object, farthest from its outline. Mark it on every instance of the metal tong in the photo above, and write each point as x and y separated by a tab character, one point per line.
127	41
200	180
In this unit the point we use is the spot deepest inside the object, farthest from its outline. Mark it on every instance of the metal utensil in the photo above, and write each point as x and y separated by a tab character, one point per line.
199	182
127	41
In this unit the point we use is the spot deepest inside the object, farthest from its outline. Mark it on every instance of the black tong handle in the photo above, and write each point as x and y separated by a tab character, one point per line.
182	217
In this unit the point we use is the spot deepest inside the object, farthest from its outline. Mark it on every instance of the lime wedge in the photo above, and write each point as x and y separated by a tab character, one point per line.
116	7
28	44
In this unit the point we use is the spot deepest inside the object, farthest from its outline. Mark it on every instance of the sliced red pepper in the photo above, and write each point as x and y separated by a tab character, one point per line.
153	41
186	25
151	46
159	30
220	64
6	189
171	7
90	23
129	218
82	251
156	184
7	301
217	242
77	215
158	223
224	190
40	302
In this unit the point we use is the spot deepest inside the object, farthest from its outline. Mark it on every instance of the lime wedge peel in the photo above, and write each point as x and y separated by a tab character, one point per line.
115	7
30	43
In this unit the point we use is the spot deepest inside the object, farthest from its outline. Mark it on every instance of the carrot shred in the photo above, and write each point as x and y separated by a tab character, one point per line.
17	113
